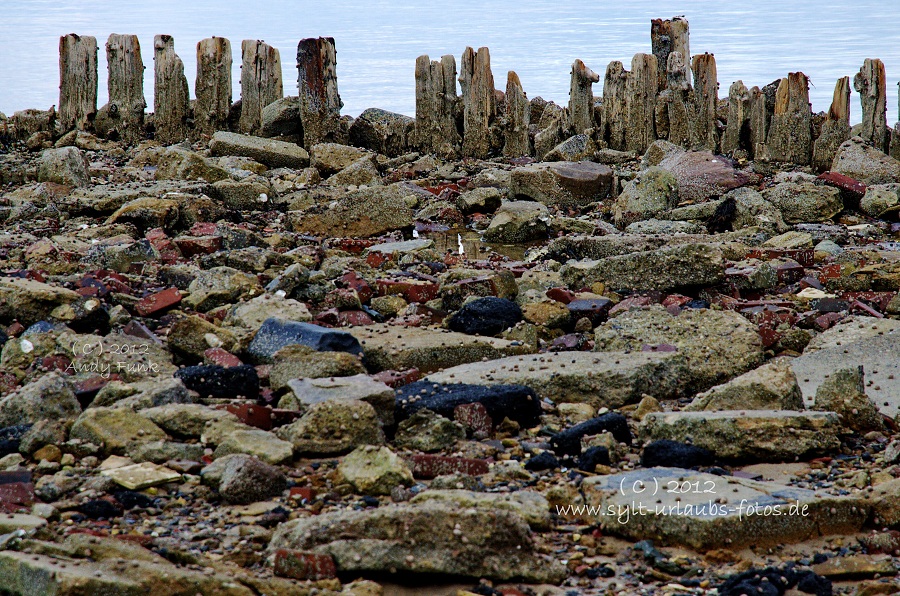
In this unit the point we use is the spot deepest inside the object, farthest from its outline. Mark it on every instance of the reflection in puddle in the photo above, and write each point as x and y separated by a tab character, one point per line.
474	248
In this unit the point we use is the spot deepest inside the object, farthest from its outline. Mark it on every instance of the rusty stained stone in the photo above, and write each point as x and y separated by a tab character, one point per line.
320	102
428	466
300	565
157	302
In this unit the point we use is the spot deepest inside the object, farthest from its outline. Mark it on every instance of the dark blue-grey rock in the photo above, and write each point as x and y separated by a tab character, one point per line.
485	316
568	442
542	461
10	438
593	457
515	402
221	382
672	454
277	333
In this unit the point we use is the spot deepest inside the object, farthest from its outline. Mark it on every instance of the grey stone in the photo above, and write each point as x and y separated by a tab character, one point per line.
844	392
374	470
426	538
601	379
652	192
275	154
250	480
333	427
772	386
723	511
259	443
115	430
530	505
51	397
517	222
759	435
804	202
716	345
563	184
356	387
65	165
30	301
427	431
863	162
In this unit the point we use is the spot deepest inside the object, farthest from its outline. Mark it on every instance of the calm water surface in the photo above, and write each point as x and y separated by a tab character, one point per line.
378	41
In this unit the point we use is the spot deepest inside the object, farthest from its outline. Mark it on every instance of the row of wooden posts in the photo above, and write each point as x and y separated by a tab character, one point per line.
654	100
261	84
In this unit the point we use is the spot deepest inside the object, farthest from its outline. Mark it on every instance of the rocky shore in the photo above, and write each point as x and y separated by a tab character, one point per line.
337	357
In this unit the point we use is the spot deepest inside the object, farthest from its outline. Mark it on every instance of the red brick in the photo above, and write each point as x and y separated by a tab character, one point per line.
629	303
157	302
353	281
412	290
561	295
303	493
804	256
395	379
301	565
475	417
258	416
429	466
851	186
220	357
203	228
199	245
355	245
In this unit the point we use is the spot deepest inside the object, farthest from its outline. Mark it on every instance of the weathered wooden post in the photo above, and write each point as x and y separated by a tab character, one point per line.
581	97
640	103
895	132
679	99
790	135
737	132
77	81
705	134
435	104
614	92
518	117
835	129
125	110
871	84
479	103
213	85
762	107
260	82
320	103
171	97
667	36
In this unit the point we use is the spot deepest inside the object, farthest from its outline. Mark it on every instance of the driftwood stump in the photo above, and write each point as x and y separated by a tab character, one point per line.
125	110
435	106
871	84
581	97
213	86
640	103
614	93
835	129
518	117
320	102
77	81
790	135
678	99
704	133
171	97
737	132
479	102
260	82
762	107
667	36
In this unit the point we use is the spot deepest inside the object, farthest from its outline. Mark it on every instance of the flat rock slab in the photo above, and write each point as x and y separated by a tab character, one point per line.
141	476
704	511
879	355
563	183
427	538
30	301
275	154
532	506
428	349
10	522
361	387
38	574
760	435
601	379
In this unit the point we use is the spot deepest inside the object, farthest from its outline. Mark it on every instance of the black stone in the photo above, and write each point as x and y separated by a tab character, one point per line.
3	338
371	501
596	309
485	316
277	333
10	438
542	461
697	304
776	582
593	457
130	499
39	327
672	454
221	382
515	402
814	584
568	442
602	571
99	508
94	320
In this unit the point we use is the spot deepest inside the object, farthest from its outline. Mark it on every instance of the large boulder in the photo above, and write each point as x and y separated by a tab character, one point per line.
275	154
716	345
861	161
381	131
563	183
772	386
65	165
680	266
361	214
333	427
803	202
281	118
177	163
517	222
114	430
702	175
374	470
424	539
652	192
30	301
49	398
